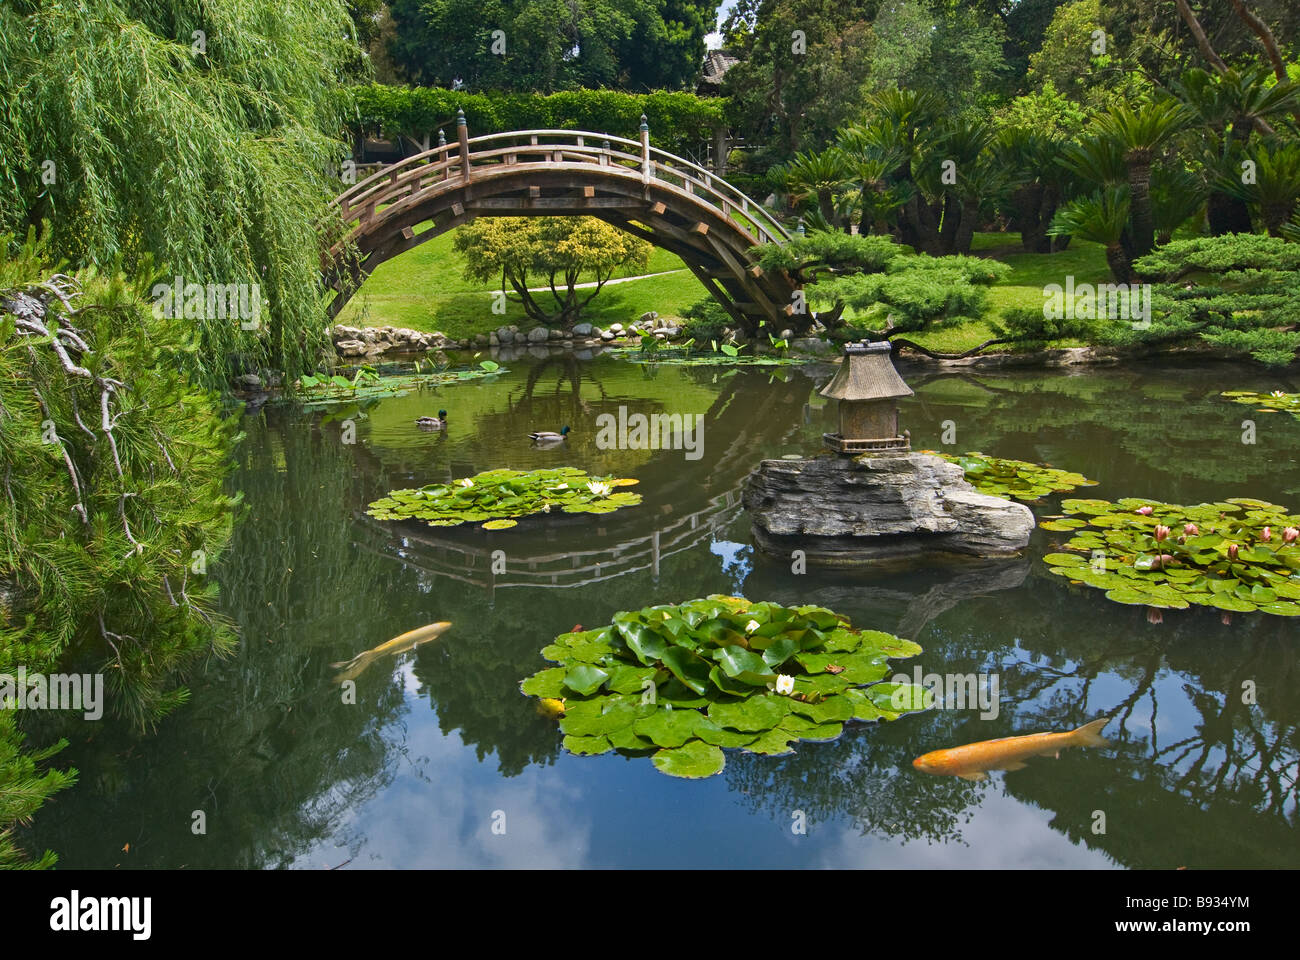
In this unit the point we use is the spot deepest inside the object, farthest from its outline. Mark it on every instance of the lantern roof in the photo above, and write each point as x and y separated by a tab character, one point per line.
867	373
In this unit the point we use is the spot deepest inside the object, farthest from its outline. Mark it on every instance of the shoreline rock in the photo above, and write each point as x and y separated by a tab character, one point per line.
874	508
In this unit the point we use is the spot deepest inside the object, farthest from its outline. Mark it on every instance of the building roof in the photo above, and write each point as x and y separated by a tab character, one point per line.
716	64
867	373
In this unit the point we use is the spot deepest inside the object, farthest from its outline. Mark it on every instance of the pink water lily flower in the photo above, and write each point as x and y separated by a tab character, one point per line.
1145	511
1191	530
1161	532
1267	534
1289	535
1232	551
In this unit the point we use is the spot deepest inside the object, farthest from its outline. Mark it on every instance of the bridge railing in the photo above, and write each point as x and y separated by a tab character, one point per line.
457	161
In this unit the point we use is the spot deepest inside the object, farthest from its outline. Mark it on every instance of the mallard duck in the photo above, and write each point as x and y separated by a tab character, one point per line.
548	438
433	423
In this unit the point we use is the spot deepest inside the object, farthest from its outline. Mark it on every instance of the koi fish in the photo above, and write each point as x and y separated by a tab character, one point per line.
1008	753
550	707
351	669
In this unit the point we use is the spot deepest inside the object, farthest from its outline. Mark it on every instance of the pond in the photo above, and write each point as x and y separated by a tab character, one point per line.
442	762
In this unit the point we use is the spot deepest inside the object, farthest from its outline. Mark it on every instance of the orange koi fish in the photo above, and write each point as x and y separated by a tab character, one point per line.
1007	753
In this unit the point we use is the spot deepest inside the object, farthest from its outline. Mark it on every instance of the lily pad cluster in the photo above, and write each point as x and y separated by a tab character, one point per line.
1240	555
684	357
498	496
366	383
678	683
1275	402
1016	479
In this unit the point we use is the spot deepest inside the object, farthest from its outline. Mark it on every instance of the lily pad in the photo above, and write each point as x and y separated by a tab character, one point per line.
499	496
1016	479
692	760
685	680
1238	555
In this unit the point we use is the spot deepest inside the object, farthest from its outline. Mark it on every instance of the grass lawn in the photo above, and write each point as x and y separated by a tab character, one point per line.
425	289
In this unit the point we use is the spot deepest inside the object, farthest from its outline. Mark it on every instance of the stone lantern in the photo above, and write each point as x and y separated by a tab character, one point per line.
866	387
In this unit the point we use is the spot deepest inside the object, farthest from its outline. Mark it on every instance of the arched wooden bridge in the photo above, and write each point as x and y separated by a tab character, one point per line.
662	198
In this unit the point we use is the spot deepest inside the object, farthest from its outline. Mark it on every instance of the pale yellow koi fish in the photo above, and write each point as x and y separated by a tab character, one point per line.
351	669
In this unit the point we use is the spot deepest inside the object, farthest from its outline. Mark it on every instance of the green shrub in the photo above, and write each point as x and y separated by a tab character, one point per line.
706	320
108	532
1237	291
678	121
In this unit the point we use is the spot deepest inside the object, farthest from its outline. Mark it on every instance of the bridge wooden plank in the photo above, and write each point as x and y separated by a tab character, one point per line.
575	204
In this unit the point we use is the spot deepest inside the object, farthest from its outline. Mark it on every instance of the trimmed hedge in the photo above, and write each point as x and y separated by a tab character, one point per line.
677	121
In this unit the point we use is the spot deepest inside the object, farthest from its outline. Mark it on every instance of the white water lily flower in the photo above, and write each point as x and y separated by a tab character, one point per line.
465	482
598	488
751	626
1278	393
784	684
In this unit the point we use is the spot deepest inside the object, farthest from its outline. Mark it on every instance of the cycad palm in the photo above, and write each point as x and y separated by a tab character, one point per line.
1141	134
1101	218
1274	190
815	177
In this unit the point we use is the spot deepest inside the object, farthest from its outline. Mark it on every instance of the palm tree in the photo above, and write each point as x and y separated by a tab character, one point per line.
1232	106
814	177
872	152
1141	134
1102	218
1177	195
1037	182
1275	192
964	143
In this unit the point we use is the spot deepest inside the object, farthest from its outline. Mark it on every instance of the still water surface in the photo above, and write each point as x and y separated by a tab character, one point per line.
441	744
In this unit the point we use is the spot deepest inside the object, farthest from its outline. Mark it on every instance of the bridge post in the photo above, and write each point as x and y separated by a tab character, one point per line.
462	131
645	150
442	151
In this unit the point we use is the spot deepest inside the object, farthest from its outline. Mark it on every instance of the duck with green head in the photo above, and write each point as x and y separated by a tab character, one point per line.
432	423
548	438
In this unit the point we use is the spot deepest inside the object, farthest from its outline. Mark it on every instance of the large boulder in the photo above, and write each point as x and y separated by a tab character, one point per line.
582	329
538	335
879	507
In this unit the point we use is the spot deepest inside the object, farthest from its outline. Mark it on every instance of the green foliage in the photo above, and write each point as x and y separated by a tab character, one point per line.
822	251
1236	291
706	320
1017	479
678	121
1275	402
498	496
681	682
23	790
1238	555
113	470
212	160
366	383
916	292
96	509
515	248
1218	255
549	45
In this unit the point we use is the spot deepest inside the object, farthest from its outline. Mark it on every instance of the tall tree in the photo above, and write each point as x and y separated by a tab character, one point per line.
547	45
198	134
